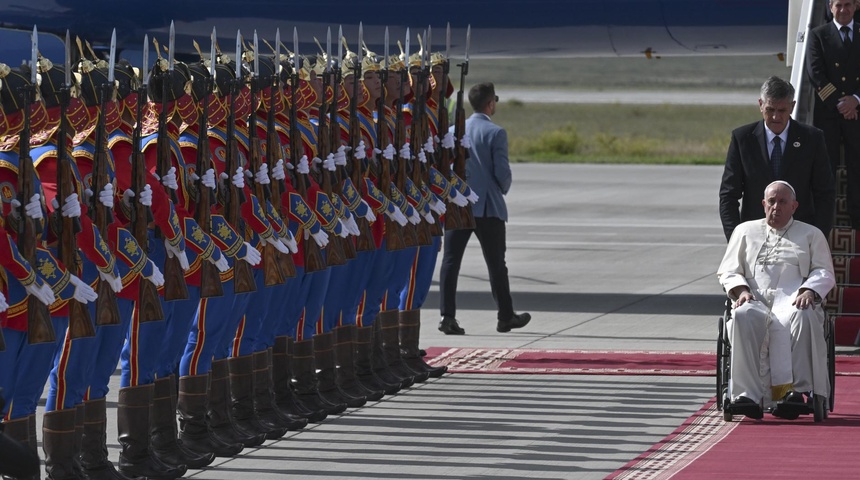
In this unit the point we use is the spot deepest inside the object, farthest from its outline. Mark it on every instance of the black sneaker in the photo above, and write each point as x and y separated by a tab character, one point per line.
519	320
449	326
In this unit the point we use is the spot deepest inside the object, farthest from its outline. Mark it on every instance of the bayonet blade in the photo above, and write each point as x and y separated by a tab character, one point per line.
238	55
277	47
112	59
339	43
328	60
171	48
468	41
360	43
423	52
448	41
144	70
406	49
212	54
297	60
34	55
68	61
428	41
385	60
256	57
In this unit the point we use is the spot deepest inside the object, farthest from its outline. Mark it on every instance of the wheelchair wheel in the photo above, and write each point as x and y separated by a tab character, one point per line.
728	417
831	361
720	352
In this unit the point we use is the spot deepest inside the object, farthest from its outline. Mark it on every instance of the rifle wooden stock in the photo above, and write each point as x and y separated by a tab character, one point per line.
272	274
467	218
273	147
393	231
148	304
364	242
107	312
80	323
210	277
243	275
335	254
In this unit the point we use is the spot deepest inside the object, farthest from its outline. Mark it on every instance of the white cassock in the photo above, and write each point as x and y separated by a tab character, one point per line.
774	343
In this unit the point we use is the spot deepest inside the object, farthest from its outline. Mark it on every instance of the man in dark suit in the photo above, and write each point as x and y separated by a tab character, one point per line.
833	66
489	175
777	148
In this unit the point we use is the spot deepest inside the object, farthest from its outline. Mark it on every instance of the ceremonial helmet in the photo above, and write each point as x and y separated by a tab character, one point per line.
12	99
43	123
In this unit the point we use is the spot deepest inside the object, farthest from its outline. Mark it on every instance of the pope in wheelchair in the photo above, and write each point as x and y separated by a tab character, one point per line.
776	271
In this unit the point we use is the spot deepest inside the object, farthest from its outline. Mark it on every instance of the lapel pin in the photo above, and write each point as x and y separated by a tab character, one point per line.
796	144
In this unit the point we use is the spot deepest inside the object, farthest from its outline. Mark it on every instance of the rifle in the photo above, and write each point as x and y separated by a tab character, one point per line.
80	323
417	135
335	251
364	242
272	274
444	160
210	277
274	150
461	154
40	329
148	304
393	231
410	238
107	312
174	278
243	276
314	261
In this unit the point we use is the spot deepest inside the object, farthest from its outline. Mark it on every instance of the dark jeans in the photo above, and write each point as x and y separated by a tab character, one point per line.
491	234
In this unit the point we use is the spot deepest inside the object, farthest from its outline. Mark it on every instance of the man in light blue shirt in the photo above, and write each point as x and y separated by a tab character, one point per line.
489	176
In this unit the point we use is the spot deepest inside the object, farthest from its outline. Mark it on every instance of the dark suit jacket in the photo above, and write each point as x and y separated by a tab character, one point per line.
833	69
804	165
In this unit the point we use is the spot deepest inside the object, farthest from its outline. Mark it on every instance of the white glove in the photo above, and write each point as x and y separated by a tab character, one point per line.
422	157
33	209
344	230
437	206
321	238
465	141
473	197
208	179
290	242
329	163
83	292
3	305
303	167
71	207
405	151
114	281
126	197
428	217
106	196
353	227
275	241
370	216
176	252
448	140
42	292
278	170
428	146
239	178
221	264
169	179
252	255
397	216
145	196
389	152
457	199
340	156
262	175
376	152
157	278
415	219
361	150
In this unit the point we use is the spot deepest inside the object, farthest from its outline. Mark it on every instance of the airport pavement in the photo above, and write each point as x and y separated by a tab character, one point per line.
604	257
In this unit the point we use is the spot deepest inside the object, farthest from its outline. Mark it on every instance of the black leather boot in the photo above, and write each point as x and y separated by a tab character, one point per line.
242	393
132	419
282	381
264	395
380	360
364	364
221	420
390	325
344	354
194	428
410	332
165	436
19	430
305	378
326	375
94	454
58	443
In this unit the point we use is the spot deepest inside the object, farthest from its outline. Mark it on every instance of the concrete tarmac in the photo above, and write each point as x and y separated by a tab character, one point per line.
604	257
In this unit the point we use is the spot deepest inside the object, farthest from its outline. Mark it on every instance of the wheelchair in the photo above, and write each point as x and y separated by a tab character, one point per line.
817	405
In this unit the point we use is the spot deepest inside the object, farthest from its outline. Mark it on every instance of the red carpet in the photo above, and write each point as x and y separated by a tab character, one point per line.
589	362
707	447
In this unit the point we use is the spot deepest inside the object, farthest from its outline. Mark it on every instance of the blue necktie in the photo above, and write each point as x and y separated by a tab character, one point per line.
846	36
776	157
